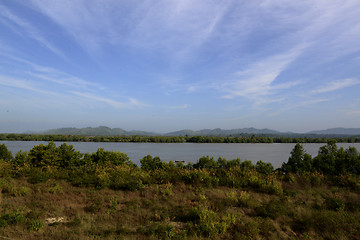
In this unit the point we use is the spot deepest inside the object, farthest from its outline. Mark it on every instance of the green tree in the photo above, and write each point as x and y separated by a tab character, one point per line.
206	162
298	161
264	168
104	157
43	155
68	156
150	163
325	161
5	154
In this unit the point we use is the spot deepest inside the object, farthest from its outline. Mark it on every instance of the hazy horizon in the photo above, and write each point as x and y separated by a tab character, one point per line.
164	66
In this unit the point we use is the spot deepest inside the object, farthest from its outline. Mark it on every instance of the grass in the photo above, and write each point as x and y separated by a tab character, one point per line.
177	211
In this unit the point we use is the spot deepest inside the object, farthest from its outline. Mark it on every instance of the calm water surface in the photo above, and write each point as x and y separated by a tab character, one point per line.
275	153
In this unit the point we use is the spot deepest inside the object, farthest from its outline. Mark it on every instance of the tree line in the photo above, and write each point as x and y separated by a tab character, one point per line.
176	139
115	170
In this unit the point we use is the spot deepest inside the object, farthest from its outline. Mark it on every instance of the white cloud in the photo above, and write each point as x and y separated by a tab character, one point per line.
18	25
353	113
22	84
116	104
337	85
304	103
50	74
184	106
258	79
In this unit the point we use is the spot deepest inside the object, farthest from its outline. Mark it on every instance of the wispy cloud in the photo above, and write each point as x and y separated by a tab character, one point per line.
337	85
296	105
258	79
64	84
353	113
184	106
19	25
116	104
172	27
22	84
37	71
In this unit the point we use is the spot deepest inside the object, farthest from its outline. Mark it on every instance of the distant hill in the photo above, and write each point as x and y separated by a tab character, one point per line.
106	131
97	131
222	132
337	131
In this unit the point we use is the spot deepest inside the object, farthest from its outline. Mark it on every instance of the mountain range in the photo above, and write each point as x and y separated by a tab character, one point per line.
106	131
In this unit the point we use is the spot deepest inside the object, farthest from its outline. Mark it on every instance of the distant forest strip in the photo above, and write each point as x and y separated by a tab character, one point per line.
178	139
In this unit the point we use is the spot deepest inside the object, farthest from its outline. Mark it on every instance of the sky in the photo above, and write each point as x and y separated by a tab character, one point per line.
162	65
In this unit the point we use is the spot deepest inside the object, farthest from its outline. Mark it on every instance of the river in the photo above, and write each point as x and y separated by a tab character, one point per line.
275	153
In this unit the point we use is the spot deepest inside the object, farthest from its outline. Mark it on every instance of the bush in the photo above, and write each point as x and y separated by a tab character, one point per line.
207	222
206	162
5	154
271	209
264	168
149	163
12	218
35	225
103	157
334	204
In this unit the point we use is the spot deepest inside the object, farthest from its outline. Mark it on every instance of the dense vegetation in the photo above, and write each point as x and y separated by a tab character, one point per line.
57	192
178	139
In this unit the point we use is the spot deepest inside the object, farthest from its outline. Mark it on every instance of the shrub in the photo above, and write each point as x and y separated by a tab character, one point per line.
35	225
264	168
5	154
11	218
271	209
149	163
103	157
207	222
244	199
38	175
55	188
206	162
5	168
127	178
334	204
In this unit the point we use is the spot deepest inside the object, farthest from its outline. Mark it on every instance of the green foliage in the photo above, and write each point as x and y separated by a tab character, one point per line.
5	154
299	161
161	231
68	156
11	218
55	188
272	209
149	163
207	222
334	203
329	161
35	225
41	156
264	168
206	163
247	164
103	157
326	158
127	178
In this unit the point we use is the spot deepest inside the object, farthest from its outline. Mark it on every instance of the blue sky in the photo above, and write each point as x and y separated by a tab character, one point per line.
161	65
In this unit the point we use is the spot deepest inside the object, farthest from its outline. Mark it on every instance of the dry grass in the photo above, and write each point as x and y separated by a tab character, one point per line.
162	211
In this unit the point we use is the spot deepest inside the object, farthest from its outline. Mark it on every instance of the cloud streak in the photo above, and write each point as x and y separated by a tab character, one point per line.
337	85
116	104
18	25
258	79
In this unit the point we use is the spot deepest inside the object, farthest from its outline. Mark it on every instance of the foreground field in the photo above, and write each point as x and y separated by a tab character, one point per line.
58	193
58	210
